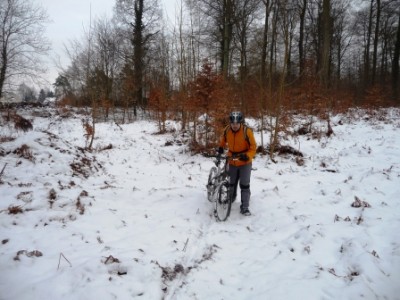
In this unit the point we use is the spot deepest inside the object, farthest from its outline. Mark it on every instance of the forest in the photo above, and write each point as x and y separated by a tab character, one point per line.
263	57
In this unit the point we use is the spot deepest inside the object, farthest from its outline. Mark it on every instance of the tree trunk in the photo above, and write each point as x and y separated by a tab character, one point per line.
274	141
376	38
395	66
138	53
226	36
3	70
301	37
367	52
326	42
263	71
272	47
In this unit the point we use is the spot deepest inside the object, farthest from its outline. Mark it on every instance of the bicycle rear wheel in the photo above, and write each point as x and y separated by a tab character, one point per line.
212	177
223	203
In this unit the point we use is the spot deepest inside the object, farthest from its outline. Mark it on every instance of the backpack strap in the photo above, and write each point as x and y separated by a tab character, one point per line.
226	131
246	137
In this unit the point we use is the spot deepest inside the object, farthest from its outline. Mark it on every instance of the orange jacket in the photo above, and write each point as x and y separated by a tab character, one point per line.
237	144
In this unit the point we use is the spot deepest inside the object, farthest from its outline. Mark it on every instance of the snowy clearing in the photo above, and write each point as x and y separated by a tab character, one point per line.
132	221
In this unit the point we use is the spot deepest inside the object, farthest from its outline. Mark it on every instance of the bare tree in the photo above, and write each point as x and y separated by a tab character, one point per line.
22	42
302	13
367	58
140	19
341	38
107	63
285	20
246	12
395	65
265	40
326	42
223	19
376	38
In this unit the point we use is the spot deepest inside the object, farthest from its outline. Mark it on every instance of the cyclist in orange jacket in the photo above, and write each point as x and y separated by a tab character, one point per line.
241	143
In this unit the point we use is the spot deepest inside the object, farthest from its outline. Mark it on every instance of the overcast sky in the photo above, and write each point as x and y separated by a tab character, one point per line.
69	18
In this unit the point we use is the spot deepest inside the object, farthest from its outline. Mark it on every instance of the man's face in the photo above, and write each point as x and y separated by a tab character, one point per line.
235	126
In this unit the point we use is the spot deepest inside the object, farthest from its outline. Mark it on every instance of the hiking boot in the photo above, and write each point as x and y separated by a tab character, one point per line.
245	211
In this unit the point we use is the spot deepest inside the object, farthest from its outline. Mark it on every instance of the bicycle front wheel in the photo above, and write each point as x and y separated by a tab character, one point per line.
211	183
223	203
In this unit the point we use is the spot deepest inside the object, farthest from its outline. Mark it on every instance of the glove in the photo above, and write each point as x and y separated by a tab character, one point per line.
220	150
243	157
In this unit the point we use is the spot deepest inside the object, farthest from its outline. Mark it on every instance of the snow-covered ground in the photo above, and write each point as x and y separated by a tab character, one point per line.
133	221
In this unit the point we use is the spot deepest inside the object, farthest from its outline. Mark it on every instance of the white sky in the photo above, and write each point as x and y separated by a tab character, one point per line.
70	18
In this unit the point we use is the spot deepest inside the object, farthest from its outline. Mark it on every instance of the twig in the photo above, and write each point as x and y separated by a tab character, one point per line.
185	247
59	260
2	170
118	125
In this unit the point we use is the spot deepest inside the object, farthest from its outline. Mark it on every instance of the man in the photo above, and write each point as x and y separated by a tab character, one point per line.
241	144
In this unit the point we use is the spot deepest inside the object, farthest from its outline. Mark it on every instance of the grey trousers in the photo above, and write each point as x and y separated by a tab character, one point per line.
241	174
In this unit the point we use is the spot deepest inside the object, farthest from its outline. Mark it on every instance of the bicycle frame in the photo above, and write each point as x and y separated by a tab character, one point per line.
218	187
221	175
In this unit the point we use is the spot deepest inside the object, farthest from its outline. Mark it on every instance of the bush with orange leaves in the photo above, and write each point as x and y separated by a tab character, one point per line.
158	103
208	104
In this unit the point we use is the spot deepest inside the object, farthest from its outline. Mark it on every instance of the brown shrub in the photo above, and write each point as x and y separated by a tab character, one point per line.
21	123
13	210
79	206
5	138
25	152
52	197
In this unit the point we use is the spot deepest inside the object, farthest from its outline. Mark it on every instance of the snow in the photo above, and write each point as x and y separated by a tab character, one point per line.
133	221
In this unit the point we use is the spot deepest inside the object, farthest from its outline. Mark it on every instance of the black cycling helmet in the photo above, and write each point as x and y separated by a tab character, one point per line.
236	117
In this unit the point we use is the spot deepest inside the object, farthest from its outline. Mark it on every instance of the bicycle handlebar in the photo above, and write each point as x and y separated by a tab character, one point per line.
224	156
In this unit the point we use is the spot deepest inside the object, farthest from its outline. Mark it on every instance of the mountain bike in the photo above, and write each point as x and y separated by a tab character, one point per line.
218	187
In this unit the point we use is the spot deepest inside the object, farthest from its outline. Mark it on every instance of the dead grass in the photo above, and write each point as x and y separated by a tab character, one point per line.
25	152
85	166
34	253
79	206
52	197
15	209
20	123
6	138
359	203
